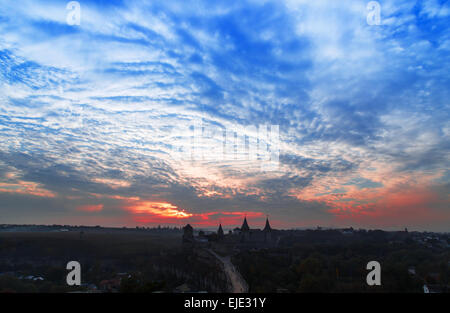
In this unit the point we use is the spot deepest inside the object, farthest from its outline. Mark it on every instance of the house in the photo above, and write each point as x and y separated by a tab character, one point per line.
243	237
111	285
432	289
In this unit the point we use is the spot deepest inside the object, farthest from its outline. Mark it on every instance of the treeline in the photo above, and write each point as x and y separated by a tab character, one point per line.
342	268
144	263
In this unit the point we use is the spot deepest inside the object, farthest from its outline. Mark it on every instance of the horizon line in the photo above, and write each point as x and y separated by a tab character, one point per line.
211	227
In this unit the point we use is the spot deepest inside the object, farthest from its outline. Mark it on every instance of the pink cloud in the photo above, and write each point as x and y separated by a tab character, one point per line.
90	208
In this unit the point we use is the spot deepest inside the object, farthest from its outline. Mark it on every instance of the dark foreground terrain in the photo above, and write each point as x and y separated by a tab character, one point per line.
157	261
335	261
111	261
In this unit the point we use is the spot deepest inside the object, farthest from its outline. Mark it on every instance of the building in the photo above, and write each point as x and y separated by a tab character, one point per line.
243	237
188	234
432	289
257	237
220	234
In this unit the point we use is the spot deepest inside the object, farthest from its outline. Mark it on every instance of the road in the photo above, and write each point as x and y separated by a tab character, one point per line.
238	284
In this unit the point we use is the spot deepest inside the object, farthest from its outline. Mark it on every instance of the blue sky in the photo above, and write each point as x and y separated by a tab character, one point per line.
90	114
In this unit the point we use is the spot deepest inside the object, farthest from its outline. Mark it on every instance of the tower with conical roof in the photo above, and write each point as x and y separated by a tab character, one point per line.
220	233
245	231
267	228
267	231
245	227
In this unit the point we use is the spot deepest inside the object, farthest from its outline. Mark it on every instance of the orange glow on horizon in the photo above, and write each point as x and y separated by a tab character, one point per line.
162	209
162	212
388	201
385	207
209	219
391	199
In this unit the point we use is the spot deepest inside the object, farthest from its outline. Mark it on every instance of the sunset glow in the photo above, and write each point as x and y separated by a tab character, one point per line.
159	209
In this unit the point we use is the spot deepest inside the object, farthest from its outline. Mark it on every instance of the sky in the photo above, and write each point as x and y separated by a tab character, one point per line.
146	113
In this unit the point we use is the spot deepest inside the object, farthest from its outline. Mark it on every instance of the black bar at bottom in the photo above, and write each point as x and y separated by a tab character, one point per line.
218	302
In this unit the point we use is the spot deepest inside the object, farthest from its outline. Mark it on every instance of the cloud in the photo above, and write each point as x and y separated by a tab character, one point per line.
97	109
90	208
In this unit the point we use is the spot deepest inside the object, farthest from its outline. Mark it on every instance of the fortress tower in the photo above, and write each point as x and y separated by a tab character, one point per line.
267	231
220	234
188	234
245	231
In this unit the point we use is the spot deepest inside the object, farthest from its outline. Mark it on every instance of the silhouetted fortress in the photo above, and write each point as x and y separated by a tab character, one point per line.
243	237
